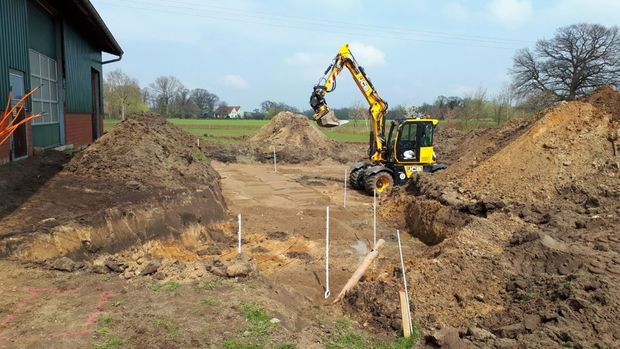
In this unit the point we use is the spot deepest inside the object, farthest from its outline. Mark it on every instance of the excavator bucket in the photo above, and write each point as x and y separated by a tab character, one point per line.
329	119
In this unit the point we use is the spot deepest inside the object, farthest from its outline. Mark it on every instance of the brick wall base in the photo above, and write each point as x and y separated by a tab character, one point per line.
78	129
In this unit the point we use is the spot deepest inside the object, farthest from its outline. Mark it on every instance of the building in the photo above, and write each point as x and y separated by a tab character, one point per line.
229	112
58	45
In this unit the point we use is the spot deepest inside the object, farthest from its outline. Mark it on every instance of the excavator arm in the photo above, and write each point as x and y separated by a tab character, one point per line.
325	117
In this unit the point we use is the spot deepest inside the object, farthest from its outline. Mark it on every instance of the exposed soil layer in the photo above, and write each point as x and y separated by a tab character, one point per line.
144	179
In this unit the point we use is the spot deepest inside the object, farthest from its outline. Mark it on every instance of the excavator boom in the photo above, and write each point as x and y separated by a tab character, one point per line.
325	117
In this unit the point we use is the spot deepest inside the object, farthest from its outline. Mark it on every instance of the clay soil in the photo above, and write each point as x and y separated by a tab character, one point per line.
515	245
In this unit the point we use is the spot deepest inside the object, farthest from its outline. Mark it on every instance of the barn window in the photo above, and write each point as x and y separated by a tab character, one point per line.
44	74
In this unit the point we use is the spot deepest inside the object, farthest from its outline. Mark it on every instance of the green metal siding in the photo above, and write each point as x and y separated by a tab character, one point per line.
80	57
45	136
42	30
13	43
43	39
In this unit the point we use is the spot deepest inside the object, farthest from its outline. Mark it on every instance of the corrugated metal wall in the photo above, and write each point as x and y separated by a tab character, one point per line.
13	43
80	57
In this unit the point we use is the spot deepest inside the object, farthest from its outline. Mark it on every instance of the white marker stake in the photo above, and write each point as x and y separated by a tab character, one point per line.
402	266
345	187
374	217
239	232
327	293
275	166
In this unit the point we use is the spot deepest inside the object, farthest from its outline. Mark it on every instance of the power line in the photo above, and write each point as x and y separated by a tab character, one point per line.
257	20
340	23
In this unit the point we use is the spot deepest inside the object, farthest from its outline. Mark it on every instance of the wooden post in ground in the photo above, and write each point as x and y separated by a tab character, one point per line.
355	278
404	311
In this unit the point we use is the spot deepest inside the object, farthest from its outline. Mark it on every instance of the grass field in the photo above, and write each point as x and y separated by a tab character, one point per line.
233	131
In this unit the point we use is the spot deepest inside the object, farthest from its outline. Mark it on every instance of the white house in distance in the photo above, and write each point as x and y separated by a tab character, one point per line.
230	112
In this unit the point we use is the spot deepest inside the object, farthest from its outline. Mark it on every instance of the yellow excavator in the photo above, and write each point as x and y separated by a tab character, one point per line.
408	148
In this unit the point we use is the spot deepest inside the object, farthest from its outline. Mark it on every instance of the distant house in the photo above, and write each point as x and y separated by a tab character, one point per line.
56	45
229	112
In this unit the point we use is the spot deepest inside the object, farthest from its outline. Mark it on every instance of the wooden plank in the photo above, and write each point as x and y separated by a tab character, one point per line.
355	278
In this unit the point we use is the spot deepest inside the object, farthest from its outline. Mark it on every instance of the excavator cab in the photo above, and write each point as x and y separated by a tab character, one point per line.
410	148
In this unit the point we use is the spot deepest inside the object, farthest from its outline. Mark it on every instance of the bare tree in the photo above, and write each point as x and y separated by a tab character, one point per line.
205	100
123	94
502	104
358	111
183	105
578	59
163	91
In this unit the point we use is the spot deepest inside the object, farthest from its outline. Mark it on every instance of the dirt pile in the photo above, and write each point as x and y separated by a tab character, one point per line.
606	99
143	180
536	261
147	151
295	140
530	160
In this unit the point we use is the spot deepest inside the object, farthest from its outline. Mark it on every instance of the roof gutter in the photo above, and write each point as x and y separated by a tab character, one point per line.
114	60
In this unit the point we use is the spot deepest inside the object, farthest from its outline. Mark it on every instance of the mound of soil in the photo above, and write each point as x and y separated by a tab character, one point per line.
147	151
448	143
535	262
143	180
295	140
606	99
528	160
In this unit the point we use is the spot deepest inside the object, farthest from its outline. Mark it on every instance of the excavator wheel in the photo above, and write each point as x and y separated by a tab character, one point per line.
356	179
382	182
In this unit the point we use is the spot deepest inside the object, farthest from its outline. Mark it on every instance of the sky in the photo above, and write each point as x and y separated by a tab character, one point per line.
248	51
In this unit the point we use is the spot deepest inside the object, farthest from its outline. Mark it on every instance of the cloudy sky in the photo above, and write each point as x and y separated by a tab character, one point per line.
248	51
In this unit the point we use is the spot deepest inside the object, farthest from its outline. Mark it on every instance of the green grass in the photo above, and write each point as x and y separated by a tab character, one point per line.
210	284
233	344
110	343
168	286
230	131
258	320
346	337
168	325
209	301
107	319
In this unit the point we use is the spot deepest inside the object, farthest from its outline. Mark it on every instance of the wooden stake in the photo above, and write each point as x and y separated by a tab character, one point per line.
404	311
355	278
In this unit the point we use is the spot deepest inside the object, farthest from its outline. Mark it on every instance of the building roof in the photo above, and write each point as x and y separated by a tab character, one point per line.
231	108
87	17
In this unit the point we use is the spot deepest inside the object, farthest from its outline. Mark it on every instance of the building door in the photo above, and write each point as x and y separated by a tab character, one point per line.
96	114
19	141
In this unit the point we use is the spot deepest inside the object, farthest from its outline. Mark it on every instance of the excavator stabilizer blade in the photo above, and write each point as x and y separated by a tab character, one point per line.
330	120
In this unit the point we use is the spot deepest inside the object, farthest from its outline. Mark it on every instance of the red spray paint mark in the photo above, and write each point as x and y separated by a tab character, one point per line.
33	293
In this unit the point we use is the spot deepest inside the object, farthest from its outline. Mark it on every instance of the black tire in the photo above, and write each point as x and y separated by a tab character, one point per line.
356	179
382	181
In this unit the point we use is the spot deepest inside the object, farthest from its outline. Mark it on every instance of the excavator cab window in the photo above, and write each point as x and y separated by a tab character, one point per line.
407	142
412	136
426	137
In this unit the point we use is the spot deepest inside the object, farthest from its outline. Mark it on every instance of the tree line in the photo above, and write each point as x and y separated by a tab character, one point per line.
576	60
169	97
